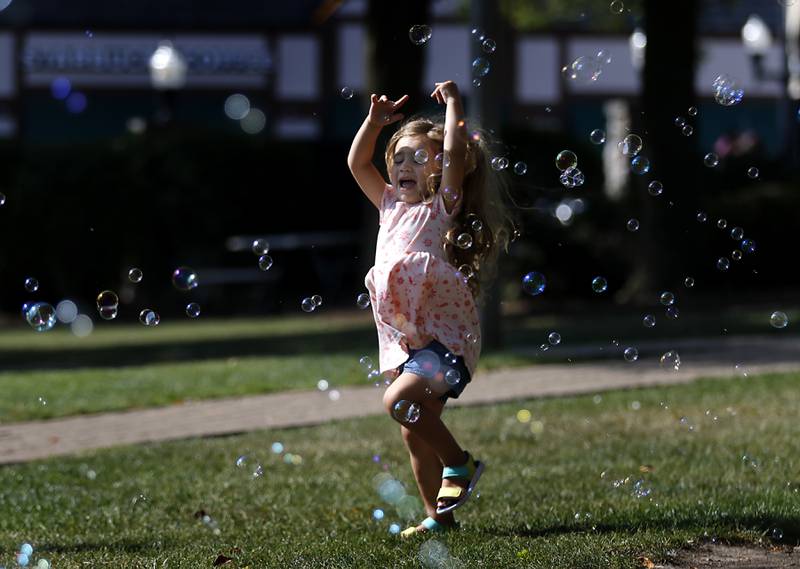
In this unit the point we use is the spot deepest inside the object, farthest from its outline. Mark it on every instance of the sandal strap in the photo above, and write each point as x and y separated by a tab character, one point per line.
432	525
450	492
466	470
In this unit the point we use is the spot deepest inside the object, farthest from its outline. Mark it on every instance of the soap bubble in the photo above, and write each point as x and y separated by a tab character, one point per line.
2	199
748	246
264	262
464	241
452	377
571	178
406	411
752	172
566	159
419	34
192	310
488	45
554	338
722	223
66	311
688	282
692	111
184	279
630	354
649	320
149	317
631	145
617	6
347	93
679	121
31	284
307	305
135	275
633	225
477	225
317	299
478	34
520	168
377	514
259	247
723	263
711	160
362	301
687	130
737	233
107	304
476	82
597	136
672	312
584	69
421	156
237	106
599	284
41	316
366	362
702	217
480	67
655	188
22	559
640	165
499	163
670	359
534	283
736	255
778	319
727	91
667	298
254	122
322	385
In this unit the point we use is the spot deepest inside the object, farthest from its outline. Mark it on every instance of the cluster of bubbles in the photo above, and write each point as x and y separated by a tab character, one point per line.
586	68
481	65
567	163
260	248
630	146
393	492
373	374
23	557
252	120
333	394
501	163
311	303
726	91
686	128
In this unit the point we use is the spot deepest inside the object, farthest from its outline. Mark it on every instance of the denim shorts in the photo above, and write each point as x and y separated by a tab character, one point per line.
446	372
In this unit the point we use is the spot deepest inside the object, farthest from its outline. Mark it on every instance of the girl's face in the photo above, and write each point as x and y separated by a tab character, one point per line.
408	176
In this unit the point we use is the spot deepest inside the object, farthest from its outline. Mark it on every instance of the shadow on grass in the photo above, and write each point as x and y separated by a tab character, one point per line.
788	526
310	345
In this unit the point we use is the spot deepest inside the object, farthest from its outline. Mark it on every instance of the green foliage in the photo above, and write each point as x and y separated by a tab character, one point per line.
549	15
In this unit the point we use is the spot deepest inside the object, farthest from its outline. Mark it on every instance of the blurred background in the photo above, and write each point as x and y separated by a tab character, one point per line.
174	133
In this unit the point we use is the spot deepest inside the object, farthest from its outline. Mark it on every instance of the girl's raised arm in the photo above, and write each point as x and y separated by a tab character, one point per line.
359	160
455	142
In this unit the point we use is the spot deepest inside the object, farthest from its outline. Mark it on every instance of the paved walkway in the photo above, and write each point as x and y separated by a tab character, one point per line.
22	442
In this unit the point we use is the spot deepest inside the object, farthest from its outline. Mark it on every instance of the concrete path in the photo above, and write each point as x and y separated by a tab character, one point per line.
20	442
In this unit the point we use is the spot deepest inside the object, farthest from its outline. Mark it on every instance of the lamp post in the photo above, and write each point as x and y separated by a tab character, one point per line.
167	74
637	43
757	41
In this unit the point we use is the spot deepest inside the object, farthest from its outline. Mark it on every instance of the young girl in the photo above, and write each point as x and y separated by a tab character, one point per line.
441	225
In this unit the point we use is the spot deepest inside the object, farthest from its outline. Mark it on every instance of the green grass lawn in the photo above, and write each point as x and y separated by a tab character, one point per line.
122	366
590	481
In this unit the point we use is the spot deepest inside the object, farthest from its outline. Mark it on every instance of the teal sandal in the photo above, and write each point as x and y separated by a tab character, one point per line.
471	470
431	526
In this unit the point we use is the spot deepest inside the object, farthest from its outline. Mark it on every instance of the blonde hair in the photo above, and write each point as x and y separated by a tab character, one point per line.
483	215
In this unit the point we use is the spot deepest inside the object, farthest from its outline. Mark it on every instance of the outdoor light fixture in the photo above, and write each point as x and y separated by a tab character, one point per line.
757	40
637	43
167	67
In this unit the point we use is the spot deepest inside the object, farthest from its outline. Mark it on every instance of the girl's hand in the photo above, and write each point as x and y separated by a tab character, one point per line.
445	91
382	110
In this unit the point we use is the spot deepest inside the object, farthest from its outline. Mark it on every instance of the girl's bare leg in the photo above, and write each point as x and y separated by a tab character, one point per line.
429	428
427	468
